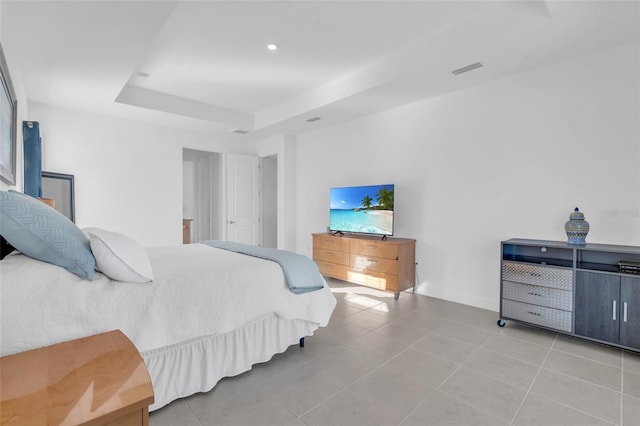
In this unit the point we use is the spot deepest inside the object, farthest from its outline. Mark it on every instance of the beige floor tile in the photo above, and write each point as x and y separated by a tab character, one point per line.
431	370
339	332
264	412
345	364
465	333
501	367
631	384
516	348
177	413
301	389
443	410
588	349
393	309
445	347
592	371
377	346
631	361
529	334
382	367
484	393
343	310
349	408
584	396
397	393
401	332
630	411
426	319
478	318
537	411
366	320
227	388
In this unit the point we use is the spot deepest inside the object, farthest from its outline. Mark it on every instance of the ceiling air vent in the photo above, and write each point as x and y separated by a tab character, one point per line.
240	131
467	68
312	119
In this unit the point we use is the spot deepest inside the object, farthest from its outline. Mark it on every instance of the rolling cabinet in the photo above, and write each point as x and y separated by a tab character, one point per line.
590	291
537	284
608	299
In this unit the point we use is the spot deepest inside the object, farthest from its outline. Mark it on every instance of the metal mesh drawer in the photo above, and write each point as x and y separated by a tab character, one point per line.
548	317
537	275
538	295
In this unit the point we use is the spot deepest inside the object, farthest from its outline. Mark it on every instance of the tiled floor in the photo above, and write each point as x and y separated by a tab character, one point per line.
423	361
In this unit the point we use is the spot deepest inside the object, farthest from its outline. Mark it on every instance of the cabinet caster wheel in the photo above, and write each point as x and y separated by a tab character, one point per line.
501	323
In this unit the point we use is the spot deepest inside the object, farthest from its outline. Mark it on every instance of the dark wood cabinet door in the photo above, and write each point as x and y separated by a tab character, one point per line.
630	312
597	306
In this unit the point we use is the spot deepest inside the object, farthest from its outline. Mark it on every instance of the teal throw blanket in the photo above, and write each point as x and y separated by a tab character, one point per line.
301	273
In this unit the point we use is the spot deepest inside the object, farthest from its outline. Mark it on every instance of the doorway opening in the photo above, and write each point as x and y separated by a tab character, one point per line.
202	195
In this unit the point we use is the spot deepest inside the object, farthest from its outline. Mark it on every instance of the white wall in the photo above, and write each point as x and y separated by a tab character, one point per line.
128	174
510	158
270	202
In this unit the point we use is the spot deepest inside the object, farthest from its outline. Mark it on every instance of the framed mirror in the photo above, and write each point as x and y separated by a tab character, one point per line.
59	188
8	120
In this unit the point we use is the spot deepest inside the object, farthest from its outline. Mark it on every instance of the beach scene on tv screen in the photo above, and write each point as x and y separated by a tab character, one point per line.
362	209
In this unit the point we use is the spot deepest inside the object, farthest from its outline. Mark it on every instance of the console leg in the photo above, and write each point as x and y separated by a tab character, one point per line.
302	342
396	295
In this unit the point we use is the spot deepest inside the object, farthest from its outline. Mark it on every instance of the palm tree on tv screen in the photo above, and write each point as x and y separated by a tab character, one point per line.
385	198
366	202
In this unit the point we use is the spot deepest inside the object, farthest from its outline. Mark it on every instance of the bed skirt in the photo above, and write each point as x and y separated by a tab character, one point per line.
196	365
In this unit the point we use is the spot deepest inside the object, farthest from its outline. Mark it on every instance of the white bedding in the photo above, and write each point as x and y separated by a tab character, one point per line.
197	291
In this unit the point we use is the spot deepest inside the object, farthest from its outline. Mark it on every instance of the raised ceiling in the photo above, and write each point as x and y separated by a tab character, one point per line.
204	65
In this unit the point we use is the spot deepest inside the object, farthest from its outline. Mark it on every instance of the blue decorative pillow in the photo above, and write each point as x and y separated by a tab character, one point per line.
45	234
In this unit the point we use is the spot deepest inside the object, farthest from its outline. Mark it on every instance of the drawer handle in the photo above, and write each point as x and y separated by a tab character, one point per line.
624	311
371	262
329	253
373	246
535	294
614	310
534	313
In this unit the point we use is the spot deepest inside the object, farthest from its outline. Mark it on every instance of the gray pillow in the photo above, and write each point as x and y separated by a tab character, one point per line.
43	233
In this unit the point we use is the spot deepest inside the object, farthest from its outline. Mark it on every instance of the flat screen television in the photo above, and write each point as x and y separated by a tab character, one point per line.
362	209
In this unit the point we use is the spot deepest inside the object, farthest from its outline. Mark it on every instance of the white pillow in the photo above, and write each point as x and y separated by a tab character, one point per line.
119	257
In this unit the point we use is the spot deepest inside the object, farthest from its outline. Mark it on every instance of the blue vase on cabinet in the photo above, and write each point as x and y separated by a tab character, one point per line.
576	228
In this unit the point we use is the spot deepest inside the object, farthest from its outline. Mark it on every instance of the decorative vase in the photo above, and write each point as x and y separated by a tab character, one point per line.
576	228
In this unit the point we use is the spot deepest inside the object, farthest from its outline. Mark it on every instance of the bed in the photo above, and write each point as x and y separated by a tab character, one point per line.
207	313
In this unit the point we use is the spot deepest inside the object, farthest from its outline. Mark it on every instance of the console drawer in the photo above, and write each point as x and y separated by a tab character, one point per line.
538	295
378	280
331	256
538	275
333	270
374	248
547	317
362	263
330	242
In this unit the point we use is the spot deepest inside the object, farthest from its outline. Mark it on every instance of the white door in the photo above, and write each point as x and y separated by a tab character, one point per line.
243	196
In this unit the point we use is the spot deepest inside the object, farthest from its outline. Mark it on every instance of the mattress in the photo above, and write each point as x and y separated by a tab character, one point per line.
208	313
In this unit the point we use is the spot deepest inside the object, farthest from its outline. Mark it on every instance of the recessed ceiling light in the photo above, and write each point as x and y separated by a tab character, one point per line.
272	46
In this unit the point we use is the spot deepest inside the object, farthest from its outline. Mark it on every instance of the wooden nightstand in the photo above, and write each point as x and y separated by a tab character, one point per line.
96	380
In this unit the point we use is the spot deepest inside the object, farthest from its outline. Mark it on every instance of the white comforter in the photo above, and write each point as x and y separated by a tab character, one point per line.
197	291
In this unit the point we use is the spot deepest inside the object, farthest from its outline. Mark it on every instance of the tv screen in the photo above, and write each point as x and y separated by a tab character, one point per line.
362	209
